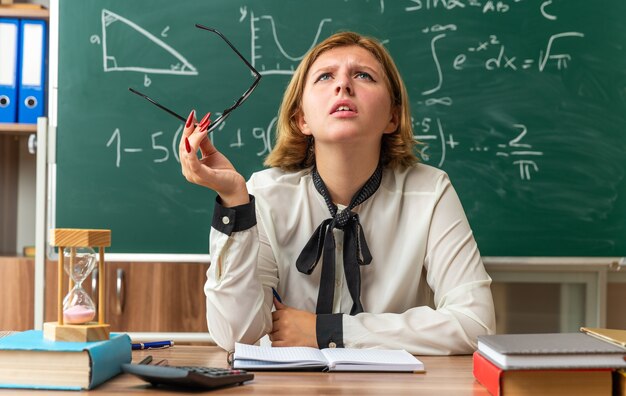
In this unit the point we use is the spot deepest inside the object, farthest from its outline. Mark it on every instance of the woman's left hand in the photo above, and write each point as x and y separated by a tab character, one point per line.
292	327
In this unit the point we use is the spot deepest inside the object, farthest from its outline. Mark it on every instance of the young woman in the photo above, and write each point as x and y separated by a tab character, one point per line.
366	247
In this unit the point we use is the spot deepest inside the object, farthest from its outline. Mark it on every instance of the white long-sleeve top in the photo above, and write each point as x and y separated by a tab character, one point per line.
425	291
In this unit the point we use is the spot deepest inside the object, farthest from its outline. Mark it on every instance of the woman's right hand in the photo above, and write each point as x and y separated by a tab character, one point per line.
213	170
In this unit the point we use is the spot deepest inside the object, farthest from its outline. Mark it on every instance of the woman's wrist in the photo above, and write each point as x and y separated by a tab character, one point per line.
240	197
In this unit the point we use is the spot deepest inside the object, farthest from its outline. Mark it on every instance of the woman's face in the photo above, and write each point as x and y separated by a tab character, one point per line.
346	99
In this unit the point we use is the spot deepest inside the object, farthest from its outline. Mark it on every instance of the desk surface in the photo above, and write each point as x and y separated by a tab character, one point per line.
445	375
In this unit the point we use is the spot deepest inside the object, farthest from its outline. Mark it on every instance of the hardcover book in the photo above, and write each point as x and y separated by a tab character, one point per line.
27	360
553	350
565	382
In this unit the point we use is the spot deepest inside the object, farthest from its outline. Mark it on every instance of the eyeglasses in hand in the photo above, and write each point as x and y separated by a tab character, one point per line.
228	111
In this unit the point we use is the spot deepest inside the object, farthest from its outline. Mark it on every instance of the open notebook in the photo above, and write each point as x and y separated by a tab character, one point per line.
252	357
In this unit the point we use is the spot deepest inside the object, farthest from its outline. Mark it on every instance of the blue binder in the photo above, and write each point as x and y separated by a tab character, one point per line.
9	50
32	71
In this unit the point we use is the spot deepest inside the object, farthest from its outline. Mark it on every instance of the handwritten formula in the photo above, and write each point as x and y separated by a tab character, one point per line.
489	52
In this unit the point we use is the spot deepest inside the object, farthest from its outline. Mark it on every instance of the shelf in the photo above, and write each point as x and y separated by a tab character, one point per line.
21	11
17	129
24	11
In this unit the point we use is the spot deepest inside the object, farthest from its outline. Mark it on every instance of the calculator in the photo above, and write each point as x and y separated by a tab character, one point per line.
197	377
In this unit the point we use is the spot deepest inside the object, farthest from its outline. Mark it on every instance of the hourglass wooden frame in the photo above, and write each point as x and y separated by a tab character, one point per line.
91	331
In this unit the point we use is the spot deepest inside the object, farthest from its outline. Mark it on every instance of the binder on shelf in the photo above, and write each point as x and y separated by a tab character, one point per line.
9	35
32	71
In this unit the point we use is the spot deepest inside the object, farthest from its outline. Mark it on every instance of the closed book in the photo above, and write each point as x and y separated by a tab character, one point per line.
251	357
552	350
555	382
27	360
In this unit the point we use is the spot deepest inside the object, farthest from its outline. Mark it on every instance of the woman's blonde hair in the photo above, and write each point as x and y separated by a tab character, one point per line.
293	149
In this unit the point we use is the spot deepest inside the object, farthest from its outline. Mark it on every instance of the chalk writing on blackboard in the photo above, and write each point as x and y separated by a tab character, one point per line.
483	6
265	38
490	52
114	24
163	146
158	145
500	60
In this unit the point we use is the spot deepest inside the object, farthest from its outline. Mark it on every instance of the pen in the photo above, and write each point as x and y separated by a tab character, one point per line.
153	345
276	295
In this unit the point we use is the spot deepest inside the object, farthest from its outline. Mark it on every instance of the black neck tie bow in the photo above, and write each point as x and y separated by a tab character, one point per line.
355	249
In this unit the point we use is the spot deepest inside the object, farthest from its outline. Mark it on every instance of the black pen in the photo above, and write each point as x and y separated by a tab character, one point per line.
276	295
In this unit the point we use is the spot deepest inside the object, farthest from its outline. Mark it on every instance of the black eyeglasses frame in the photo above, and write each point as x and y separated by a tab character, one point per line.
229	110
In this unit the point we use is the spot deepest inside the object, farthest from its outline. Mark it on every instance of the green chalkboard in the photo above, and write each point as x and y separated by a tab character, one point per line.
523	103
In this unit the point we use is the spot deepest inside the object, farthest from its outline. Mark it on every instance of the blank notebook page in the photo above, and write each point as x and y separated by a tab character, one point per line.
373	356
292	354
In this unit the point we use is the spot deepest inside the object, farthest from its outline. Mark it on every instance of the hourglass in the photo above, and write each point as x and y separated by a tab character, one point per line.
76	311
78	308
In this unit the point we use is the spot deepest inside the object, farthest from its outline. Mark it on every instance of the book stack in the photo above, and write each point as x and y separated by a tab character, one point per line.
550	364
27	360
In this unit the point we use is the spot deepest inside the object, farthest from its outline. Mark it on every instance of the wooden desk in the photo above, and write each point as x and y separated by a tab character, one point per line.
445	375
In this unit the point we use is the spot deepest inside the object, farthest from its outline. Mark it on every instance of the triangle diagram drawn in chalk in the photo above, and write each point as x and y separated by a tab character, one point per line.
147	54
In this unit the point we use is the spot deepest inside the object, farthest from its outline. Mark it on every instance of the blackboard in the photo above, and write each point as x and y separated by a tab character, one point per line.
523	103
